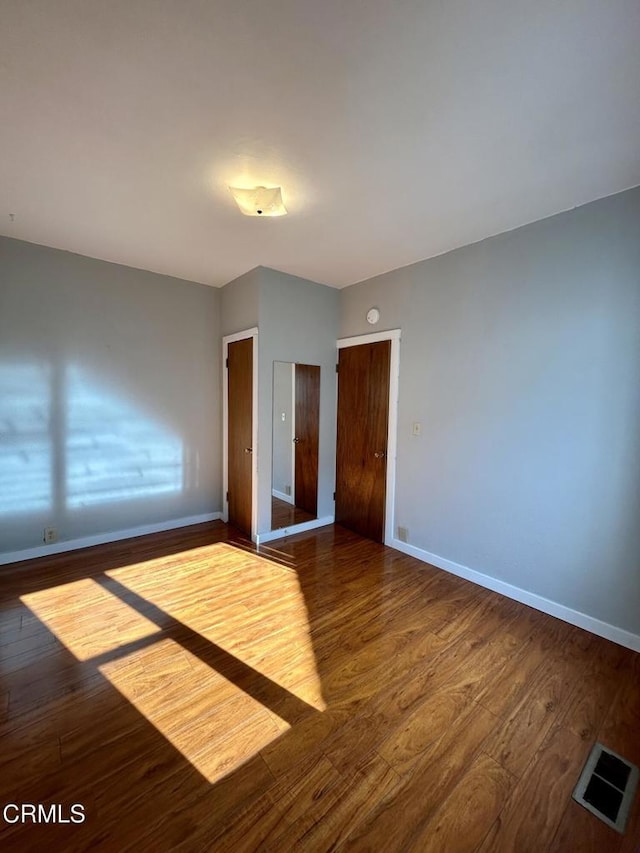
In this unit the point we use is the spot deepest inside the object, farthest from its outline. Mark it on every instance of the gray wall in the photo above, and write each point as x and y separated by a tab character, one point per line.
109	396
282	453
520	356
240	303
299	323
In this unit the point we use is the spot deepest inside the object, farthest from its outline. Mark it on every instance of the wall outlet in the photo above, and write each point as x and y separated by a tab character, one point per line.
287	490
50	535
416	428
403	534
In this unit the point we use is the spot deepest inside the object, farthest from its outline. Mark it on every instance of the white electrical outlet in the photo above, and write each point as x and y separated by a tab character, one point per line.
50	535
416	428
403	534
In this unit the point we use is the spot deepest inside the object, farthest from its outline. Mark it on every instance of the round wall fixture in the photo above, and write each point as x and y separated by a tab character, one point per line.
373	315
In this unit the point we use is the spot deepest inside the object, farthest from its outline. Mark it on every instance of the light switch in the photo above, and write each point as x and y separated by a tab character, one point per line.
416	428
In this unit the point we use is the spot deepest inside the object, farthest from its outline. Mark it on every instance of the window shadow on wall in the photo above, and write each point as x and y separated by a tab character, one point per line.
67	442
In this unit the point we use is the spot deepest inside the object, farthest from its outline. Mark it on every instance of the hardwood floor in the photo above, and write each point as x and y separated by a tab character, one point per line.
284	514
329	693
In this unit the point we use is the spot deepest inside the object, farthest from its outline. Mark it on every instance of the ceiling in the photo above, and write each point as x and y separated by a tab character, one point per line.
398	129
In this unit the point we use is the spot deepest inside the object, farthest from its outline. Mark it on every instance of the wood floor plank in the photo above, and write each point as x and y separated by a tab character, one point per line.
481	604
304	790
595	836
515	742
351	800
462	821
434	776
4	705
620	728
592	697
189	816
257	827
20	763
427	724
532	814
307	737
507	686
630	843
18	645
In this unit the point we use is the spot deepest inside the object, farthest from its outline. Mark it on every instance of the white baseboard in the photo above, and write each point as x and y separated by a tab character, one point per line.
567	614
282	496
103	538
261	538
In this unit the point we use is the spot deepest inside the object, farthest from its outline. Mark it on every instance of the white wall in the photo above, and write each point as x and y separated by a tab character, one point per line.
109	397
520	356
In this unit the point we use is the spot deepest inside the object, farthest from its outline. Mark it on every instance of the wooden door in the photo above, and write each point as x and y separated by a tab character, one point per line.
240	432
361	453
307	423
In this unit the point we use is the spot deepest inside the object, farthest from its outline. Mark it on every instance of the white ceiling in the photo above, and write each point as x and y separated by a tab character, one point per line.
399	129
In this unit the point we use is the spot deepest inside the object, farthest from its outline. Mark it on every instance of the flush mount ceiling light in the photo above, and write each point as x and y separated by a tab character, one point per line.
259	201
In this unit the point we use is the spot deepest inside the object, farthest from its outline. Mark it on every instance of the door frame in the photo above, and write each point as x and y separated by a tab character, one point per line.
393	335
293	434
226	340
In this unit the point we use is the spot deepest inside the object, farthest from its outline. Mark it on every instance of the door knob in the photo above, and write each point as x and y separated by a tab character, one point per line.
380	454
248	450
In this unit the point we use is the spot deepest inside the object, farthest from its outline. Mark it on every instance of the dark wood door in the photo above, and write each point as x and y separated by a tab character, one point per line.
306	439
361	454
240	450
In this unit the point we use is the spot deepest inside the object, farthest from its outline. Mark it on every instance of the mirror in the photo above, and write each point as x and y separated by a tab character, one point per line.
296	425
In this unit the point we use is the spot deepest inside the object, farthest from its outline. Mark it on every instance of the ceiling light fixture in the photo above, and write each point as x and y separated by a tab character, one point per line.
259	201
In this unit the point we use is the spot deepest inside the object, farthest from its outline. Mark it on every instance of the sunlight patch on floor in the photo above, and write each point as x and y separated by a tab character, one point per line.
212	722
242	656
250	606
87	619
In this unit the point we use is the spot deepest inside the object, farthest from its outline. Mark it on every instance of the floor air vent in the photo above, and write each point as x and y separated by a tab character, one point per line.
606	786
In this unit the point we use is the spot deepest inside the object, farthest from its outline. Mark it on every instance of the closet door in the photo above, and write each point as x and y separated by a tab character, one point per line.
363	420
239	433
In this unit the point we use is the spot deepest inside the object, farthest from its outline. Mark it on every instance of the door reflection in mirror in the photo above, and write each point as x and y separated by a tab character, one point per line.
296	422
